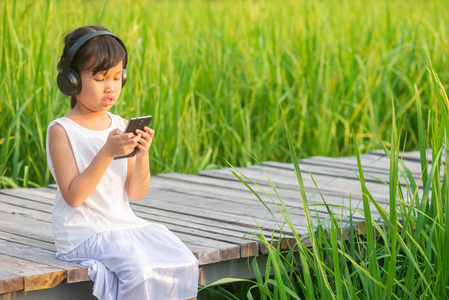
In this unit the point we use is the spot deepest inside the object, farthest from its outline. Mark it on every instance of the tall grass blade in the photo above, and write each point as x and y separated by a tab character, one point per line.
440	195
310	227
421	138
393	231
373	265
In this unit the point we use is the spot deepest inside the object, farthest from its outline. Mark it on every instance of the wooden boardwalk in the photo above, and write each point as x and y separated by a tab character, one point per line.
211	213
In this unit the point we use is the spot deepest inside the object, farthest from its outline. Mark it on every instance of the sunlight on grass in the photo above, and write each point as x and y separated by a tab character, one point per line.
216	76
399	256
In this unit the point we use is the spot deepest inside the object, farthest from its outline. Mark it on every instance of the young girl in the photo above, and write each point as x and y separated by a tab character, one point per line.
127	257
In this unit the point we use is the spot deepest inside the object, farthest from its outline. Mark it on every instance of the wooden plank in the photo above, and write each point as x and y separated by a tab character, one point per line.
205	255
237	208
228	191
230	210
203	188
336	170
210	213
251	220
10	282
26	226
194	183
194	221
75	273
26	203
209	255
198	183
341	187
7	205
40	195
236	188
287	180
173	198
227	251
44	281
292	198
151	204
204	233
34	276
205	208
337	187
373	165
179	185
413	155
247	247
246	191
25	240
370	163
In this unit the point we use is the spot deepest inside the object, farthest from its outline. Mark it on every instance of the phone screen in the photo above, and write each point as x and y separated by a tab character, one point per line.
133	125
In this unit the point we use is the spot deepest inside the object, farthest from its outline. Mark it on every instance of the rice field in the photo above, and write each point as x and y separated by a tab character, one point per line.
218	76
399	255
276	79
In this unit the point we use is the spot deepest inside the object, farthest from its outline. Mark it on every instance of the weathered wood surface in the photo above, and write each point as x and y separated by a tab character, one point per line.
212	213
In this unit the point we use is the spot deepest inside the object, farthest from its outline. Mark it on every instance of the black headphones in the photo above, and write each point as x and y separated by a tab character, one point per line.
69	81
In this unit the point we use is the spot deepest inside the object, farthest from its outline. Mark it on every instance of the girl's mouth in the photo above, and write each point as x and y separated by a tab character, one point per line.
109	100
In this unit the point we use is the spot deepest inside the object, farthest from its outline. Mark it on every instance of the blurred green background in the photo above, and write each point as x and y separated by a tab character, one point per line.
217	76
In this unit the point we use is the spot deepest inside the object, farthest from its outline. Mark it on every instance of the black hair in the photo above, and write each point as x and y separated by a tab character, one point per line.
100	53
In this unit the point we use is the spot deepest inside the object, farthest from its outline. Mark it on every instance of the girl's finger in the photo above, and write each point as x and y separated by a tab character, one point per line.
149	131
147	135
136	138
145	143
142	147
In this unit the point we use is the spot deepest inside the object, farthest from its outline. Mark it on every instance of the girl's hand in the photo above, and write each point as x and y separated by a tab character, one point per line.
145	140
139	178
120	144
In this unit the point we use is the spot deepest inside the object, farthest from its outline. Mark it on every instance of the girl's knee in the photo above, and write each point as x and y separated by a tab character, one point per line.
135	274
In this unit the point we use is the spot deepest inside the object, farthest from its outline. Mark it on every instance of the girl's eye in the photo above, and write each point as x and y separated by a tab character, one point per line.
99	79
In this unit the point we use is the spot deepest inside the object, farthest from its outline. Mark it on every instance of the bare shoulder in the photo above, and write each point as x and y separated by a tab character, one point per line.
57	132
62	156
59	141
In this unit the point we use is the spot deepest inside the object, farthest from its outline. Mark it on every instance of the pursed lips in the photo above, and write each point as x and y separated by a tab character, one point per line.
108	100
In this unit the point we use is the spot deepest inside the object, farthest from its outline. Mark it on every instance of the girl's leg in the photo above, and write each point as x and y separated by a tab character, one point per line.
147	263
105	282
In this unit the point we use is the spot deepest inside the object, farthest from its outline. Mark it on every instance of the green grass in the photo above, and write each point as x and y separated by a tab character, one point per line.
216	76
342	77
402	255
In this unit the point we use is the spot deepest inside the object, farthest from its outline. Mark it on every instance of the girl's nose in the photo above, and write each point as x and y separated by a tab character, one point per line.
109	88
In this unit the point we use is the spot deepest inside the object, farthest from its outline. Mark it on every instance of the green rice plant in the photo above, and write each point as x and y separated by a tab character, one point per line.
401	255
218	75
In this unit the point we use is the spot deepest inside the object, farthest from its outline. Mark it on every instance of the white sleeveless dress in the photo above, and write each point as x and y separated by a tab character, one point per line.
127	257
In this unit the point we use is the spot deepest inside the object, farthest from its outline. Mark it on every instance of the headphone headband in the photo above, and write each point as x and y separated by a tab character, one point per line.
67	60
69	81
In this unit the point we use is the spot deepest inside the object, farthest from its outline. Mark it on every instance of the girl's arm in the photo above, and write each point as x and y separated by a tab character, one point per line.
75	187
139	177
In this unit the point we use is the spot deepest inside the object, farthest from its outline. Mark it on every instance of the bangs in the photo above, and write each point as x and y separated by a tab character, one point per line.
100	54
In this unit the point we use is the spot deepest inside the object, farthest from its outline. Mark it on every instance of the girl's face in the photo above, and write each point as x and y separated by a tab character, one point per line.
101	90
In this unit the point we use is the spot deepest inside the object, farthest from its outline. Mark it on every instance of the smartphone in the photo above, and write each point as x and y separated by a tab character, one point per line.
133	125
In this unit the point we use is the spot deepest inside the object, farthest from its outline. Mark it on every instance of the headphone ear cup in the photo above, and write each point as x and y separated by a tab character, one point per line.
69	83
124	76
